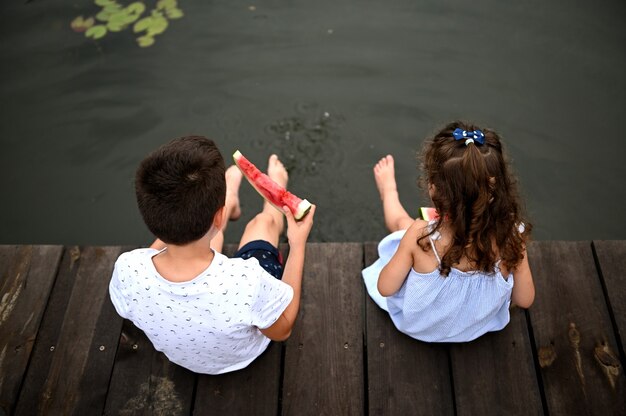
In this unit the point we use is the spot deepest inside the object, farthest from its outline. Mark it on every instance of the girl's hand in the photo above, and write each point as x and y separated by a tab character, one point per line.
298	231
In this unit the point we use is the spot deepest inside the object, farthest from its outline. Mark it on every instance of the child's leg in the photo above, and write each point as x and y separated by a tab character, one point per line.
396	217
232	210
269	223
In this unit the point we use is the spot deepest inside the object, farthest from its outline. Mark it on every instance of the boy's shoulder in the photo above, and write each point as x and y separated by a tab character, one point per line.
238	264
137	255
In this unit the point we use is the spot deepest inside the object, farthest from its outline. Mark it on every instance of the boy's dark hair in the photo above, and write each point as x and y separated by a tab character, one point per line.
476	194
180	186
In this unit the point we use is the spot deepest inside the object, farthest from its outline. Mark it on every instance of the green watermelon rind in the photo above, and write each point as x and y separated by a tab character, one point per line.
428	213
298	207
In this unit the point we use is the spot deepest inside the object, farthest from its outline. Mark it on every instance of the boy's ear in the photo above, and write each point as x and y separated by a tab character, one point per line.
219	218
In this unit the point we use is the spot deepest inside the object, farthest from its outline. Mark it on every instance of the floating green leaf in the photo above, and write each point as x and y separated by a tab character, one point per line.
174	13
96	32
135	8
115	17
142	24
157	25
113	7
118	19
166	4
79	24
104	16
113	27
145	41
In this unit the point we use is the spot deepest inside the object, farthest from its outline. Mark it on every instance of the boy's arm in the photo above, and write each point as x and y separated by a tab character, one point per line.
297	233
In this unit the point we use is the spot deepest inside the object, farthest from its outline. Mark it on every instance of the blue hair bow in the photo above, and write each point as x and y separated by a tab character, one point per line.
469	136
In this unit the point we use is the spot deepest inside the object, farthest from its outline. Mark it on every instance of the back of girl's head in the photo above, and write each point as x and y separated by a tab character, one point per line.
180	187
476	195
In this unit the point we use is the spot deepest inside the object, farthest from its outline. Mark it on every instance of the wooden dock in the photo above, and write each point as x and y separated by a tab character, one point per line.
64	350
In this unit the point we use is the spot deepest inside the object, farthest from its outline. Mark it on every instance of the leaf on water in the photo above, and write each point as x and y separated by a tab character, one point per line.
135	8
114	26
104	16
131	18
174	13
113	7
166	4
157	26
114	17
96	32
78	21
142	24
79	24
145	41
118	19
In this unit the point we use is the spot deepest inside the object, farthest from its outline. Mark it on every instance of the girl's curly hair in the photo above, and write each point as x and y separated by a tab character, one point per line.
476	196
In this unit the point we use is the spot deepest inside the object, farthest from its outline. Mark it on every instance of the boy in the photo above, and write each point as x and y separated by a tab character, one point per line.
206	312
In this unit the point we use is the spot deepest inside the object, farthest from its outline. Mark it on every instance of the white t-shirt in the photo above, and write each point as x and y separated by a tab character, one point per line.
209	324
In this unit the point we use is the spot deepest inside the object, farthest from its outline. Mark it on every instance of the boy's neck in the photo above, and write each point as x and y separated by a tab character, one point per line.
184	263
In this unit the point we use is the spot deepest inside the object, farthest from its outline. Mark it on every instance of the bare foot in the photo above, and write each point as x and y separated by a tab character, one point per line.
233	180
276	171
385	176
396	217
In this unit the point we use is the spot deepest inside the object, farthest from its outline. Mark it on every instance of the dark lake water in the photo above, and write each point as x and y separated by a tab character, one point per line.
331	86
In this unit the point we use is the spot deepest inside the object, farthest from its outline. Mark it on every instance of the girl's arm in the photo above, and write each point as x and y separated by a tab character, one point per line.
396	271
523	293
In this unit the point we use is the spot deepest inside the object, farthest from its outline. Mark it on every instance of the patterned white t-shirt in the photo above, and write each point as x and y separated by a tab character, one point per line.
209	324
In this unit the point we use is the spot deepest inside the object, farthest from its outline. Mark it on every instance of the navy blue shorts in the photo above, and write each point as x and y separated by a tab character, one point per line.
268	256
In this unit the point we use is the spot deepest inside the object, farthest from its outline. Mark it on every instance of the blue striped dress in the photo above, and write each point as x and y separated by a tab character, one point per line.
433	308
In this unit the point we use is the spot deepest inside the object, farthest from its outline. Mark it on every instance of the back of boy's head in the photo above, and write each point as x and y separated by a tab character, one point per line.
180	187
475	190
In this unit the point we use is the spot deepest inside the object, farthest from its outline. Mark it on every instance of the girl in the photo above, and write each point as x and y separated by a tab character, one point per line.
453	279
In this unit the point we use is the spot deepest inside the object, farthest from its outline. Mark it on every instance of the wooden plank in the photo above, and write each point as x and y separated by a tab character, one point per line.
28	274
252	390
72	366
324	355
611	257
571	327
405	376
495	374
144	381
49	331
8	254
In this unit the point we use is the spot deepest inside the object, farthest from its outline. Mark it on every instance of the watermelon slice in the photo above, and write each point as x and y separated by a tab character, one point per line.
270	190
429	214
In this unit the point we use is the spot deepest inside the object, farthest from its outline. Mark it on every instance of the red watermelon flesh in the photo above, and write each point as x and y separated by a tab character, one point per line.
429	214
273	193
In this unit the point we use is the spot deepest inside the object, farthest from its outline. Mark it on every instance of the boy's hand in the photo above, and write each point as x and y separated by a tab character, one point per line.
298	232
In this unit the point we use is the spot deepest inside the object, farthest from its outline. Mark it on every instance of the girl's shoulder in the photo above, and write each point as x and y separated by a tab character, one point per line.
416	232
419	228
424	258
